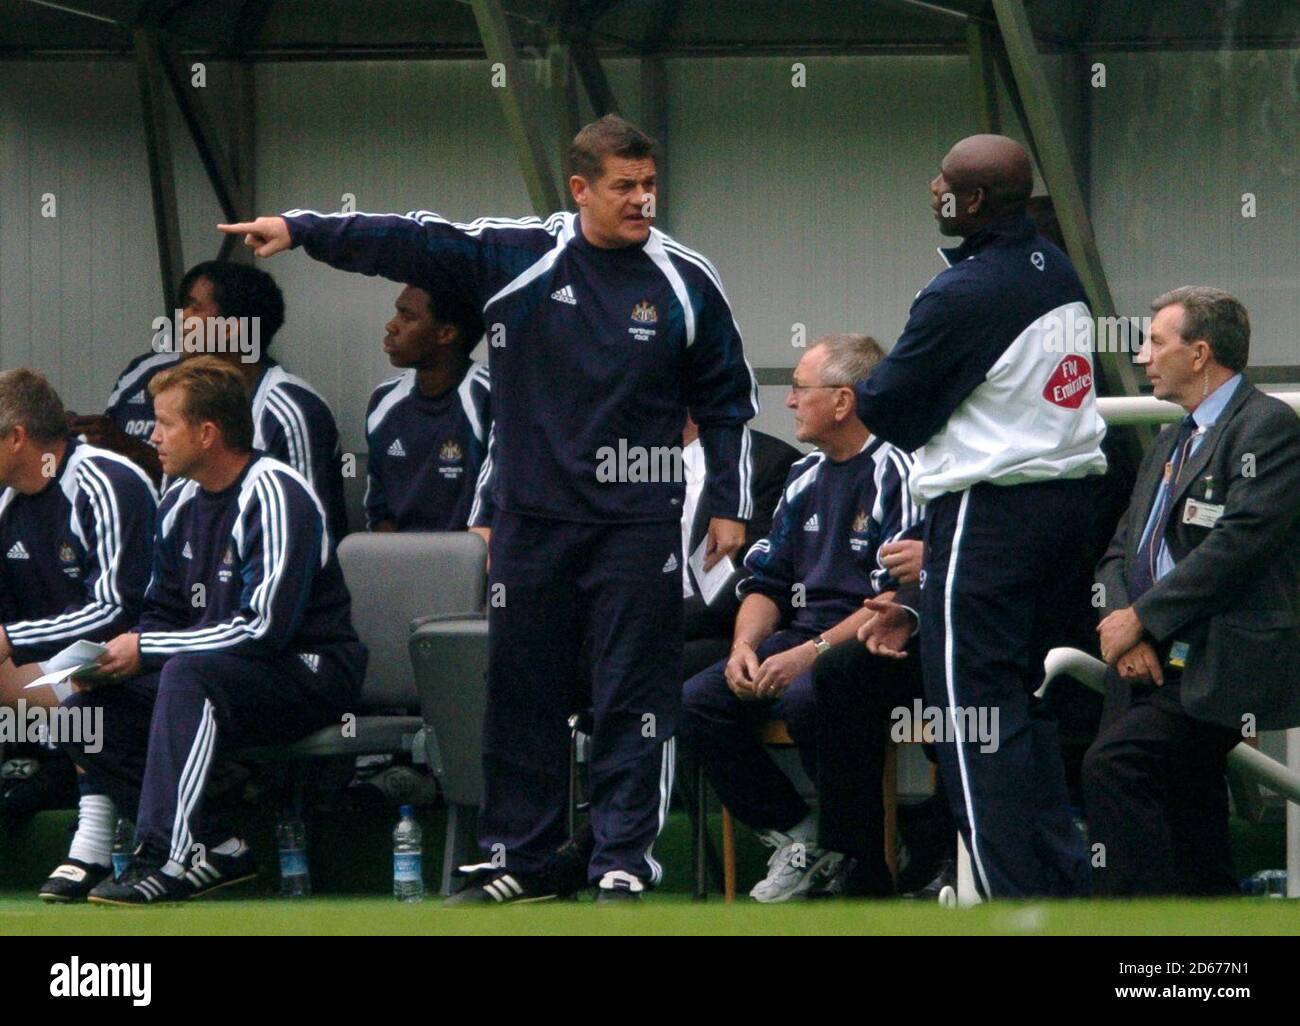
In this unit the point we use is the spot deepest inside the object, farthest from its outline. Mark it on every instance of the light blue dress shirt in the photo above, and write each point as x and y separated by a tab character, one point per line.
1205	416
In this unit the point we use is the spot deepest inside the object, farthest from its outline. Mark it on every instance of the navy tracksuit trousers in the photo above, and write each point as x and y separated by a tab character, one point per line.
719	730
999	566
581	614
162	731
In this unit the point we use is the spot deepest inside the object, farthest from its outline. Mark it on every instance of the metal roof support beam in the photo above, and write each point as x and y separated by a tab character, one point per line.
654	114
221	174
517	103
982	43
1058	171
242	152
593	79
162	177
564	99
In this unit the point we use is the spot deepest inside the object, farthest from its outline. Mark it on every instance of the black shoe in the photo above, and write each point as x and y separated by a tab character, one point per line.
857	878
946	877
215	870
618	888
73	880
489	885
142	883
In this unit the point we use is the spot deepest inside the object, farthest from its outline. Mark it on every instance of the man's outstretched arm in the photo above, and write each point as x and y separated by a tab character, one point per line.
420	248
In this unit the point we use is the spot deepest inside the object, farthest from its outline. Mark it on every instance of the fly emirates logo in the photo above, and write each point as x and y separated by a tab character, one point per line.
1069	383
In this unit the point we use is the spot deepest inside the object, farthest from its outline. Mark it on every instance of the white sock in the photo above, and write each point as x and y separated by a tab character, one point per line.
806	829
173	868
93	841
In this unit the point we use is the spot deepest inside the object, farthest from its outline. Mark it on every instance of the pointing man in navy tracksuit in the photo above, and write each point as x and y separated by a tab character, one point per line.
603	332
992	382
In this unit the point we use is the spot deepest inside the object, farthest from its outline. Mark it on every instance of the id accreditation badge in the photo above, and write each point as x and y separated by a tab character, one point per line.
1178	655
1201	514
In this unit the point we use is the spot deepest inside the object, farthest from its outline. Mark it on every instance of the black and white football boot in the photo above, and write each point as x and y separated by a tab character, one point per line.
72	881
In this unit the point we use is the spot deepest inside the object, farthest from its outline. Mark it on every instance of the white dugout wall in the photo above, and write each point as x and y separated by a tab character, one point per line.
811	201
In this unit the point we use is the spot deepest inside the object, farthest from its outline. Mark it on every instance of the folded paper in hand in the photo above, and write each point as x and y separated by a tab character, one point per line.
711	582
77	660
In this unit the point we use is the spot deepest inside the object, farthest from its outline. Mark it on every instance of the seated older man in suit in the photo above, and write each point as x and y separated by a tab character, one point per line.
709	621
1201	593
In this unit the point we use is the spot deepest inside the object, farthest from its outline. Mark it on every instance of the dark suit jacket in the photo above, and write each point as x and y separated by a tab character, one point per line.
772	459
1234	593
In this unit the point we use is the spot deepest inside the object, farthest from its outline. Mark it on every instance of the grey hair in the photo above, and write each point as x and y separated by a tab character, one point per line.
1214	315
26	398
849	358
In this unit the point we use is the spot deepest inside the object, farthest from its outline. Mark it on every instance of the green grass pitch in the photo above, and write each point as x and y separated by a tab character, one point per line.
668	914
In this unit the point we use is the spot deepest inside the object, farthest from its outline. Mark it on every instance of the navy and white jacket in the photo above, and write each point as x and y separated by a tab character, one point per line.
248	571
130	406
76	554
992	379
429	459
293	423
596	354
826	534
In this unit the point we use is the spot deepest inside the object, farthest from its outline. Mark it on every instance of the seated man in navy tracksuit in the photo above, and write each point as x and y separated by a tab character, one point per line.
246	638
428	429
76	530
809	579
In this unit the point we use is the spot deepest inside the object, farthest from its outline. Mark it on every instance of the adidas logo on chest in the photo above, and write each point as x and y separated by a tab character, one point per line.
812	523
18	551
396	448
565	295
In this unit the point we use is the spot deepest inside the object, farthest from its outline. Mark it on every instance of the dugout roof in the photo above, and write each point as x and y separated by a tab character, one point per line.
340	29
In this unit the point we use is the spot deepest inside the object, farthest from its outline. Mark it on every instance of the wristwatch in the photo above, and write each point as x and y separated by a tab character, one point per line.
821	644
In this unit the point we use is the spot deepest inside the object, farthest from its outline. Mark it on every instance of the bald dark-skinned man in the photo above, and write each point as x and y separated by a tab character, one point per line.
991	387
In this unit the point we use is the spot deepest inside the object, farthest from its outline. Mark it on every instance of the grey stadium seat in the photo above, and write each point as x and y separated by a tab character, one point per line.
394	579
354	492
449	657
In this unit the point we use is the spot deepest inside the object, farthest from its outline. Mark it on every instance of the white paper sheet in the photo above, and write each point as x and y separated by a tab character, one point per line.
76	659
711	582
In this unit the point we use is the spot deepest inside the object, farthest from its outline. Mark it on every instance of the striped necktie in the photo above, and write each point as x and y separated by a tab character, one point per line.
1144	570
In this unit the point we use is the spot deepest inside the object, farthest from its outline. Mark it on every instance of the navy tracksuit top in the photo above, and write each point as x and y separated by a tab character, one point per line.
429	454
821	558
592	351
76	554
249	570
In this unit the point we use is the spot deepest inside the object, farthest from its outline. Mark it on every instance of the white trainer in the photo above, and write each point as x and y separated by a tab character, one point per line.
797	869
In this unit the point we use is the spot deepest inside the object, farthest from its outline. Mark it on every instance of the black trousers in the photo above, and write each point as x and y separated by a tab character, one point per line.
581	602
856	694
1157	803
164	729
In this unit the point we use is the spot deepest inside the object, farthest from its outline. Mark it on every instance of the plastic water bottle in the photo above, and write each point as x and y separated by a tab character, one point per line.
295	880
1267	883
123	845
408	877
